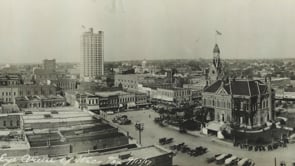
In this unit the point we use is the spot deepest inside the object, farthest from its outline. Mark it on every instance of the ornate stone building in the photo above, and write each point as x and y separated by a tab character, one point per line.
243	102
246	103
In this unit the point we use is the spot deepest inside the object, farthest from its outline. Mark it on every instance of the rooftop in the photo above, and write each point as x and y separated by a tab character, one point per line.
110	93
9	108
242	87
140	153
49	109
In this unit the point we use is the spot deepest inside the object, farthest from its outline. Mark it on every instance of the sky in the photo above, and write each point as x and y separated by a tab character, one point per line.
33	30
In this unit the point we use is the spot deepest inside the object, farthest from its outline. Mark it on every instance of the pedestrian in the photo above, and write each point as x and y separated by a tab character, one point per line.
149	115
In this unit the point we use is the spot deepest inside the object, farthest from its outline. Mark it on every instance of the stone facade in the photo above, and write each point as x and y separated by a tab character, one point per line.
246	103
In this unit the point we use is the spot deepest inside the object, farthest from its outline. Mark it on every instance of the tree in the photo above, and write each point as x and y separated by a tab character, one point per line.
120	86
110	82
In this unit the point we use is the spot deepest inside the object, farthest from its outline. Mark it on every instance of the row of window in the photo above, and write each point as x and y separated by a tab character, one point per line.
264	104
7	99
9	82
8	93
182	93
92	101
176	94
11	123
226	104
126	99
218	103
130	81
36	92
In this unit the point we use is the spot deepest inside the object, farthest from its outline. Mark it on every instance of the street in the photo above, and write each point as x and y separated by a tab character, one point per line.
152	132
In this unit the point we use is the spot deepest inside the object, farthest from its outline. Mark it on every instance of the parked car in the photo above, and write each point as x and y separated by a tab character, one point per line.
220	159
28	112
198	151
210	159
110	113
28	129
292	139
230	160
164	140
243	162
125	121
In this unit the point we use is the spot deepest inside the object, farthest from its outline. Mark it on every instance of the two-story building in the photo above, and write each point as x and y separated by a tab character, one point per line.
10	117
173	95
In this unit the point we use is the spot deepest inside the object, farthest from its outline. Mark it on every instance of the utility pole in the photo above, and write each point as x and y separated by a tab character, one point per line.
139	127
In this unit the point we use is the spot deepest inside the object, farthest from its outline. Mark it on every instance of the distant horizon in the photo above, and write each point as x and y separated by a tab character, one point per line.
73	62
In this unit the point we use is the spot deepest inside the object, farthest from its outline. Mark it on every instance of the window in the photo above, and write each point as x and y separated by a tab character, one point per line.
17	123
11	123
4	123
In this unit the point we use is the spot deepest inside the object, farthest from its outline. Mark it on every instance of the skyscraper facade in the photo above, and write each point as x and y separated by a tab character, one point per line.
92	54
49	64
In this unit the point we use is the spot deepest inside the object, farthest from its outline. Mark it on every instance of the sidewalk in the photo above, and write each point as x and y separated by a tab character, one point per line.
198	134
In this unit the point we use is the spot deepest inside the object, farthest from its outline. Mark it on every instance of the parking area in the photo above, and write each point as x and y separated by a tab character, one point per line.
153	132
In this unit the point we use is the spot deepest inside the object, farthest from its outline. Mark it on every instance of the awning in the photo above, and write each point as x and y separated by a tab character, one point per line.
131	104
215	126
93	107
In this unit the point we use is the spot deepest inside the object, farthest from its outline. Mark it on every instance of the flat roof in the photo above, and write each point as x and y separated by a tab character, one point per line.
111	93
14	145
55	116
59	109
8	131
140	153
89	129
58	120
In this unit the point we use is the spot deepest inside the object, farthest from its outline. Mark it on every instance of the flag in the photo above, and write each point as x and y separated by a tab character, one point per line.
218	33
83	26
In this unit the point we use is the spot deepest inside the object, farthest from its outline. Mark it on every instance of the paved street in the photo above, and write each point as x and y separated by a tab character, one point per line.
152	132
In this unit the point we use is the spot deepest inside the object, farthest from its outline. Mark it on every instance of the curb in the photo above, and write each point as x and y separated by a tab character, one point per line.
201	135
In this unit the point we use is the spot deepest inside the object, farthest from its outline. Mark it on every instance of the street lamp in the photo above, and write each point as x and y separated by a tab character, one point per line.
139	127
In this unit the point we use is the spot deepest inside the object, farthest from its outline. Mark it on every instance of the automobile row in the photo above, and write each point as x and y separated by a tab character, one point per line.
230	160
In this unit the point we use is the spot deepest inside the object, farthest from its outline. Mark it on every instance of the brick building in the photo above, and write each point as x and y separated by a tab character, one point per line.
36	89
10	117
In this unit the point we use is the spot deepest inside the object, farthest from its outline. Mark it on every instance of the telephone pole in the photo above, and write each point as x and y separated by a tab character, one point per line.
139	127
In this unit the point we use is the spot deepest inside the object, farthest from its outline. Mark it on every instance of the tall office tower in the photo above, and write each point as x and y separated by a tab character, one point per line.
49	64
92	62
